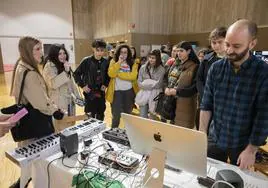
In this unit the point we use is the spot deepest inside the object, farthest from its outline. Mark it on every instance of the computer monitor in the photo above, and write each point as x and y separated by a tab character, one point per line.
263	55
186	149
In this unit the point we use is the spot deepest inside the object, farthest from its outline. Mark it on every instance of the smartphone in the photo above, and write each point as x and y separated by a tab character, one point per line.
16	117
78	101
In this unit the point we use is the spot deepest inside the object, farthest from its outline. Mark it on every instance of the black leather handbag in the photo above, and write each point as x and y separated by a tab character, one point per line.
33	125
166	106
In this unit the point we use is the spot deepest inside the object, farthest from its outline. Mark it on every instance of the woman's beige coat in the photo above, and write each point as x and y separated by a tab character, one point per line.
35	91
60	87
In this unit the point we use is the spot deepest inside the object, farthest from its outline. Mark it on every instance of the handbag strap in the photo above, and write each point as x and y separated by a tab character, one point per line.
22	85
75	85
160	95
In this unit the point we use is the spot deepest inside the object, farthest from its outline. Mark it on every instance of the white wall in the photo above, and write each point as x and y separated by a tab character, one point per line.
49	20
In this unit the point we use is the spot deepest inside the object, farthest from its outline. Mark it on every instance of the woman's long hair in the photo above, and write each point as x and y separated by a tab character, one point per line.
158	62
53	56
26	45
187	46
129	59
134	56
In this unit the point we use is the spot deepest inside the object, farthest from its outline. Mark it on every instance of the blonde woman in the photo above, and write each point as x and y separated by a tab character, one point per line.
34	91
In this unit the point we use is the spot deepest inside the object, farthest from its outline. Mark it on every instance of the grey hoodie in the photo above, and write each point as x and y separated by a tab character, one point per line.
156	74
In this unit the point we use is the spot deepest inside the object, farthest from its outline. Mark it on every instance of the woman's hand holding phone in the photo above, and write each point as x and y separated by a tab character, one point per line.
122	59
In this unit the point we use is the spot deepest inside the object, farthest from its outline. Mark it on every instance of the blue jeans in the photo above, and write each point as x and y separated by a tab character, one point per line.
144	111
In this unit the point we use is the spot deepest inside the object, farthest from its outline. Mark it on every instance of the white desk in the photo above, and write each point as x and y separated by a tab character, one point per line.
61	176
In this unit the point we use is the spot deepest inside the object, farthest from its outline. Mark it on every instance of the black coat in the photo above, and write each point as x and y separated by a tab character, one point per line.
86	73
203	72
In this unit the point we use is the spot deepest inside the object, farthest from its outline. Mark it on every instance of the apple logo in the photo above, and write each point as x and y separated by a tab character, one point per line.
157	137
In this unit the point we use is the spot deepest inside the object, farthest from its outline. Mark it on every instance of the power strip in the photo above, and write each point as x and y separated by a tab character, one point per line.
119	161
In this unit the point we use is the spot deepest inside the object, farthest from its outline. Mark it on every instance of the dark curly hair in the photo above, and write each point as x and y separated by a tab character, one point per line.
129	59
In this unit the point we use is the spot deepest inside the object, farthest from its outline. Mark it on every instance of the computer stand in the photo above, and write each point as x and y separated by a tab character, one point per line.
154	176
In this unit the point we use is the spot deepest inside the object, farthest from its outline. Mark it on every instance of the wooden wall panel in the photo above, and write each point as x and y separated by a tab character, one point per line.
82	23
202	38
262	37
82	20
110	18
152	16
161	21
194	16
82	49
204	15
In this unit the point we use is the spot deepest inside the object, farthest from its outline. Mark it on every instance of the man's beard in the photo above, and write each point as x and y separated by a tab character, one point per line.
233	57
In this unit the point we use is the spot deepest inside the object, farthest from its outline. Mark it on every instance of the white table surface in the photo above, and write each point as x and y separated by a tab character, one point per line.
61	176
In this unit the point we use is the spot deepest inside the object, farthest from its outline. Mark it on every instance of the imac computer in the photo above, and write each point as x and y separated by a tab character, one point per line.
178	147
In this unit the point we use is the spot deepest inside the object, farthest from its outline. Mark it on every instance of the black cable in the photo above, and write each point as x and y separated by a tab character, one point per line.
48	176
81	170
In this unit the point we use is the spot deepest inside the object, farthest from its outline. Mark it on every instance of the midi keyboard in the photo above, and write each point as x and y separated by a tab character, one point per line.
49	145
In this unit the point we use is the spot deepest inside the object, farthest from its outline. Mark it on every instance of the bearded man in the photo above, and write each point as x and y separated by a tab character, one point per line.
236	98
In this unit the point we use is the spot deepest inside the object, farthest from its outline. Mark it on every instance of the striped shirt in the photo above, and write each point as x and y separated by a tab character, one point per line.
239	103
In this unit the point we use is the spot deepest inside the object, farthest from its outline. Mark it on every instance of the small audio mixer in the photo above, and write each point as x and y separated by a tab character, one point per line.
119	161
116	135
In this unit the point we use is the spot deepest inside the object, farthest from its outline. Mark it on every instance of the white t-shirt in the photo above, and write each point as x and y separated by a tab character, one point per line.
123	85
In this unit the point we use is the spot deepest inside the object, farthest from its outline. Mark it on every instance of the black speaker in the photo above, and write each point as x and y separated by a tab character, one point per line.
229	176
69	143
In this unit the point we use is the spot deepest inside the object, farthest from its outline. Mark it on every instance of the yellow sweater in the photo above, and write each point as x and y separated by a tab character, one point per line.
113	72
